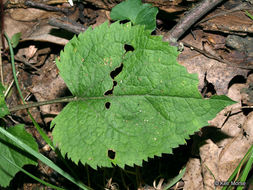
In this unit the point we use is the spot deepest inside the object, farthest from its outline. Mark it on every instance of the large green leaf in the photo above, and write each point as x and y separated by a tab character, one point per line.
154	107
136	12
3	107
10	151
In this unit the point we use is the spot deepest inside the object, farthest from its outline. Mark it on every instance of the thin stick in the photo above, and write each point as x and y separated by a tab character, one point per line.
26	63
2	22
205	53
45	7
228	113
10	86
190	18
67	24
1	68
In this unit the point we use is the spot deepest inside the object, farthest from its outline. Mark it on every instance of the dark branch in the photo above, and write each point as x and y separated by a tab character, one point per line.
190	19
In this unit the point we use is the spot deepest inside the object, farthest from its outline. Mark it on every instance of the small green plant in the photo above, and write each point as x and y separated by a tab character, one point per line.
249	15
15	39
131	99
16	155
241	172
136	12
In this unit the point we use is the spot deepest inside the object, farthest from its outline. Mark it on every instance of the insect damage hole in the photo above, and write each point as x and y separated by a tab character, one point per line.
108	92
128	47
113	74
111	154
107	105
116	71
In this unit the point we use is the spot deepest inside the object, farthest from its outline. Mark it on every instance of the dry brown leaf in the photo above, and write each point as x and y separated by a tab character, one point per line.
217	73
30	14
209	154
48	86
232	23
233	151
220	76
219	159
192	177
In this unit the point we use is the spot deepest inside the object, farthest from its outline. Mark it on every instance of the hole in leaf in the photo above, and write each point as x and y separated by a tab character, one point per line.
111	154
128	47
123	21
108	92
115	72
107	105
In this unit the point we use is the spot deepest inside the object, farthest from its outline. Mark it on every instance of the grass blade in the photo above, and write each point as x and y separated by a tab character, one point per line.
43	159
41	132
175	179
32	176
233	175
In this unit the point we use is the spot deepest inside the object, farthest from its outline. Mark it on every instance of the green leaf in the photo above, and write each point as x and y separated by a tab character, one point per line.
15	39
154	107
10	151
136	12
3	107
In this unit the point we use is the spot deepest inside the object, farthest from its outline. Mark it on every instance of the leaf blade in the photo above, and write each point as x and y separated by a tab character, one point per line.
154	107
11	151
136	12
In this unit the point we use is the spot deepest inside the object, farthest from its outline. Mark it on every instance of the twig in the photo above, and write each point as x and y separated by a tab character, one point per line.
9	87
26	63
189	19
1	67
45	7
67	24
203	52
2	23
228	112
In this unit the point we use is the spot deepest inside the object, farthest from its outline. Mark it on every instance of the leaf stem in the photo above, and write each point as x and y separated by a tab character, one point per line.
42	103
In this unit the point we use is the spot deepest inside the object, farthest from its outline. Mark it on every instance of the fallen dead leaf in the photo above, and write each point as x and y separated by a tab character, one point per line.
192	177
48	86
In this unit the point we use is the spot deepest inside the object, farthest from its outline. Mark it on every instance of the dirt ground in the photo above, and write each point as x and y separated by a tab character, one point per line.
219	48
